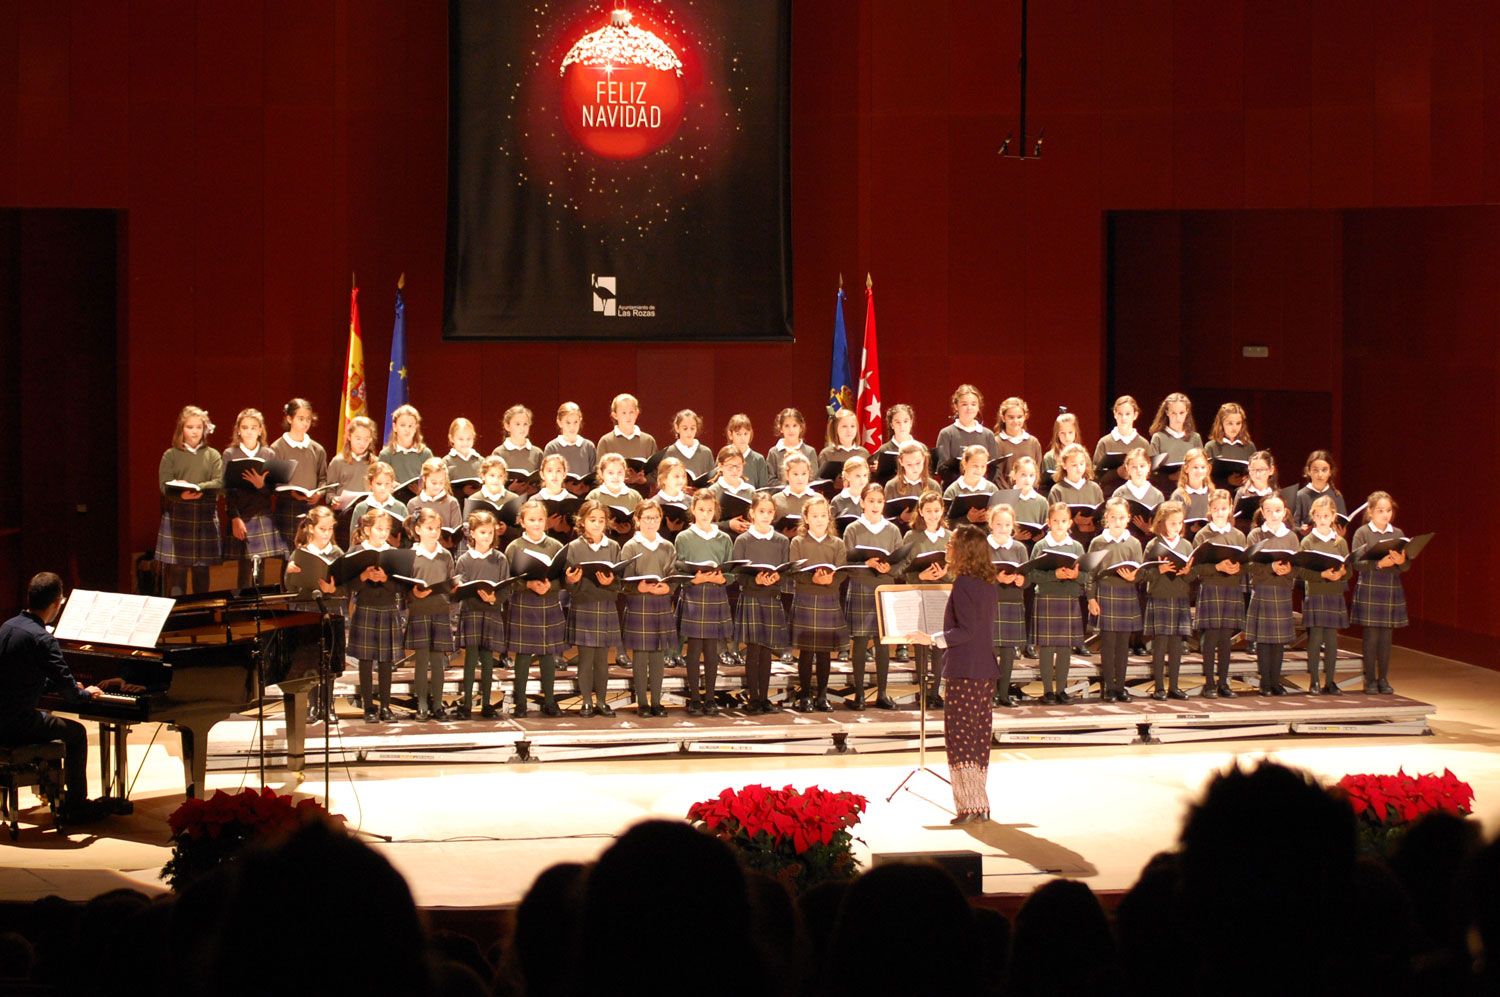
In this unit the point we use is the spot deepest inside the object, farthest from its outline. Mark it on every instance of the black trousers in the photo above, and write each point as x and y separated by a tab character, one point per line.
39	728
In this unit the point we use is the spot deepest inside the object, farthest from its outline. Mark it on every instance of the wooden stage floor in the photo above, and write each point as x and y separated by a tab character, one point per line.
472	823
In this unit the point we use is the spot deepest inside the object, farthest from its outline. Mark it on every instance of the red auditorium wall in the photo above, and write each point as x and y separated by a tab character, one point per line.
263	151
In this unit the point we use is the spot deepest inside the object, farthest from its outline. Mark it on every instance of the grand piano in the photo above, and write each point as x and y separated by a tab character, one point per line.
216	654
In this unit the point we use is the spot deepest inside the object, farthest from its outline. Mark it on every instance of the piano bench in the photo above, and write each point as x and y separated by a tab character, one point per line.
39	765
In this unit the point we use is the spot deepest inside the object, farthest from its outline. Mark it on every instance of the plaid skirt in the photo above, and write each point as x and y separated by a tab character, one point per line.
189	533
650	624
859	610
536	624
1379	599
430	632
290	511
1058	620
1168	616
481	625
703	613
1269	619
1010	624
1119	608
818	621
1325	609
262	538
375	634
594	623
1220	607
760	619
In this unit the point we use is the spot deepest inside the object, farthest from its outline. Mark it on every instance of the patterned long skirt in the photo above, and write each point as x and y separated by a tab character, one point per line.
968	728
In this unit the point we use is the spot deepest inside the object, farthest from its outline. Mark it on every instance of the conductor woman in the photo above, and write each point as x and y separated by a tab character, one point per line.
970	670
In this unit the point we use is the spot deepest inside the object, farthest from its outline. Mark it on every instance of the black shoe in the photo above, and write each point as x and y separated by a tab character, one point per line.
1123	696
520	709
1225	692
694	708
766	706
1176	694
934	701
804	705
1312	688
885	703
1385	688
1080	650
1029	652
821	704
488	712
1278	689
1330	689
549	709
1159	695
1210	691
1005	702
422	714
86	811
586	711
658	711
643	710
462	713
857	704
604	710
371	716
440	712
710	709
1138	649
386	715
1063	699
965	819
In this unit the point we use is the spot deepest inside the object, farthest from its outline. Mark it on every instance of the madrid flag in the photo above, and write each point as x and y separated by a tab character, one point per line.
871	425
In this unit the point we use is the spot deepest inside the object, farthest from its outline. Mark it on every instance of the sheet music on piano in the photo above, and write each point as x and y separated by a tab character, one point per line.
113	618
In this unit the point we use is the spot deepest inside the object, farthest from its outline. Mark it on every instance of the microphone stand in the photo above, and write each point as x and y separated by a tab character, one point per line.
260	668
325	689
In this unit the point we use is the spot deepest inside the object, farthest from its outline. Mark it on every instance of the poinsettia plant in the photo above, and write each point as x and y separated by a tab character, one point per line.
802	837
208	833
1385	806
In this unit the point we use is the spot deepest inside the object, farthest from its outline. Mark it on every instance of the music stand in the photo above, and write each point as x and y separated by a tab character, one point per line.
886	637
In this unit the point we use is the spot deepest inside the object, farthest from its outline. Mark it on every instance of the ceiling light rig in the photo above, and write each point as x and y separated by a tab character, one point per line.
1035	151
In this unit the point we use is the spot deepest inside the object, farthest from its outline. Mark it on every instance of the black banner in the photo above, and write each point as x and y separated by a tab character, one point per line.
619	170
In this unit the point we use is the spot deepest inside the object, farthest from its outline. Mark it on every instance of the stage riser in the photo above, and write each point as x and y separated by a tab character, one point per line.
902	677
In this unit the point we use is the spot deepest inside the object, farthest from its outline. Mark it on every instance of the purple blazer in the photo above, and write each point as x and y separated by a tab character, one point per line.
969	629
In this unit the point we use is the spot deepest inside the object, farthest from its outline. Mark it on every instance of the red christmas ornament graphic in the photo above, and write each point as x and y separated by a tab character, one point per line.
622	90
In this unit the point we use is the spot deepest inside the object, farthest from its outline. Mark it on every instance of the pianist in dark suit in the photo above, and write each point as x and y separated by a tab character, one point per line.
31	663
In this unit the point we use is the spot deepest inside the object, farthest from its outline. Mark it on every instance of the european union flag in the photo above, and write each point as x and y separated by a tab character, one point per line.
840	394
395	385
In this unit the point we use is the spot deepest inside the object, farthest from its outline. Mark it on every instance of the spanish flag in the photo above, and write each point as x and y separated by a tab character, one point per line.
352	401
